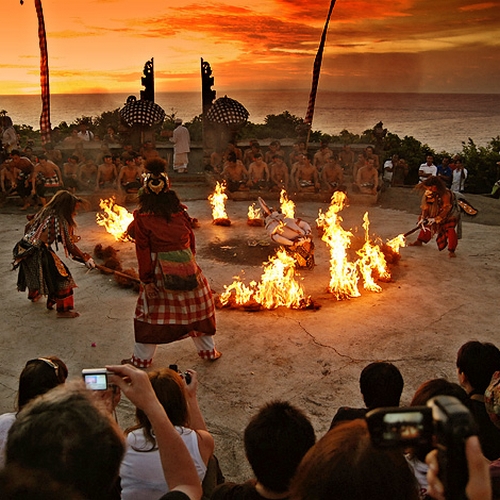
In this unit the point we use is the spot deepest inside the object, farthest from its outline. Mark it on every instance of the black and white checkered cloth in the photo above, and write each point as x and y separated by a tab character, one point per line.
228	111
142	113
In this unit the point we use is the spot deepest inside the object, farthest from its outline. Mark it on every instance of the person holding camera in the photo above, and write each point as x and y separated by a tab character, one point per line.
141	473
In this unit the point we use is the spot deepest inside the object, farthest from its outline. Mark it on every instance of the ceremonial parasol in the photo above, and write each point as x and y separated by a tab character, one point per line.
228	111
141	112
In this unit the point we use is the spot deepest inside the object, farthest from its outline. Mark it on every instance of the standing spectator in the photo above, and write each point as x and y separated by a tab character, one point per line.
389	170
444	171
476	364
276	440
180	138
84	133
111	138
9	136
459	175
427	169
381	384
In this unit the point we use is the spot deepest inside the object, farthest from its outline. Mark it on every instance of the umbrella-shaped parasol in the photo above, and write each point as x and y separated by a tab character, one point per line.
141	112
228	111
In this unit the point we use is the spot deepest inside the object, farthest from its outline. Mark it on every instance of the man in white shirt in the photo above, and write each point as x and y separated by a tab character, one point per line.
427	169
180	138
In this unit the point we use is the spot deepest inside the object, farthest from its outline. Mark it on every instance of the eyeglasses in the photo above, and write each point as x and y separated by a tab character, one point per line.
46	361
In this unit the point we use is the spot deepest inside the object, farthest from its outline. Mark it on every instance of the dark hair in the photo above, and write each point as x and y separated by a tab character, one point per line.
381	384
478	361
156	166
426	391
435	181
169	389
15	152
164	204
63	204
231	156
64	434
344	465
276	439
42	157
38	377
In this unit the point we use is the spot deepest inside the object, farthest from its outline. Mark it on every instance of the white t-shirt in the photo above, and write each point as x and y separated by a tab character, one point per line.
427	169
458	180
141	472
6	421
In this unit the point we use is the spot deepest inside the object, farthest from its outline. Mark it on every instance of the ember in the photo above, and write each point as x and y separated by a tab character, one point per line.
114	218
370	264
277	287
218	201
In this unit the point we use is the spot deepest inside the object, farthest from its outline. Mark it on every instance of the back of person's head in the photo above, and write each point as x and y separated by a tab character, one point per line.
18	483
169	389
428	390
478	361
231	156
64	434
381	384
344	465
38	377
155	165
275	440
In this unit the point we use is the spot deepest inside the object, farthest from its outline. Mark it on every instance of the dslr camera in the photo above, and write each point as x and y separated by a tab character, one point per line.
186	376
445	423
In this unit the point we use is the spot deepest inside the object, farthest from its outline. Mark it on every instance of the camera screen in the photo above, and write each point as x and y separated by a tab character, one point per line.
96	381
403	426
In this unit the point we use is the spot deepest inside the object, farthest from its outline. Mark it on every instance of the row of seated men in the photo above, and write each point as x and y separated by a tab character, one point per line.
63	438
40	177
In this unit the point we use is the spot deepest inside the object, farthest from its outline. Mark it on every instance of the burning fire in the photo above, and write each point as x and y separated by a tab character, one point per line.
218	201
370	263
287	206
253	212
114	218
396	243
277	287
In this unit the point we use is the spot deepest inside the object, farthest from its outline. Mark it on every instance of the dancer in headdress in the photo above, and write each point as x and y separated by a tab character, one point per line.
175	300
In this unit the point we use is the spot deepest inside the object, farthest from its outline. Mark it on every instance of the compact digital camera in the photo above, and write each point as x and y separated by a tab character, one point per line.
445	423
95	379
186	376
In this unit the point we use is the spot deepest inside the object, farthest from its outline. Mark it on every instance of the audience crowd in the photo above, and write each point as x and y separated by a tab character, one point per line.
63	440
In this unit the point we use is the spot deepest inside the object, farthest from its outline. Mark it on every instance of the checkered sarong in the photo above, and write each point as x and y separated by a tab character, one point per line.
174	314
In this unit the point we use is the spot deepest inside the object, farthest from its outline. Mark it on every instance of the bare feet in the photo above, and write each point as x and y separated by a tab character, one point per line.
451	254
68	314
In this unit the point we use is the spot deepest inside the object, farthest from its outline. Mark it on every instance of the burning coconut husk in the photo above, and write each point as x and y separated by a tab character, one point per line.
218	201
287	207
349	266
114	218
278	287
254	216
112	266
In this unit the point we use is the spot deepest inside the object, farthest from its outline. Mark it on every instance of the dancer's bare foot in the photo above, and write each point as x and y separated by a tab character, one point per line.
451	254
68	314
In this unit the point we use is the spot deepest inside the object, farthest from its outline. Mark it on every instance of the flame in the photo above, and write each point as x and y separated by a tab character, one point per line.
369	264
218	201
114	218
253	212
277	286
287	206
396	243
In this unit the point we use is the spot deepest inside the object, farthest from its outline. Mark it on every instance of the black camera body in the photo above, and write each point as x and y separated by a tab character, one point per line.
186	376
445	423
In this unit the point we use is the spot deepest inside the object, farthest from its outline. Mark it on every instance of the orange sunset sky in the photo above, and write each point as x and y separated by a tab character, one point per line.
385	45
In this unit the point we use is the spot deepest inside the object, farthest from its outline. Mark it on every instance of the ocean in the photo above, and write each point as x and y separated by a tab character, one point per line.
443	121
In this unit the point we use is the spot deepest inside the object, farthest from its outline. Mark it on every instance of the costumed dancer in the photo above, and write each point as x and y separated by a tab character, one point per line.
175	300
40	268
440	216
294	234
